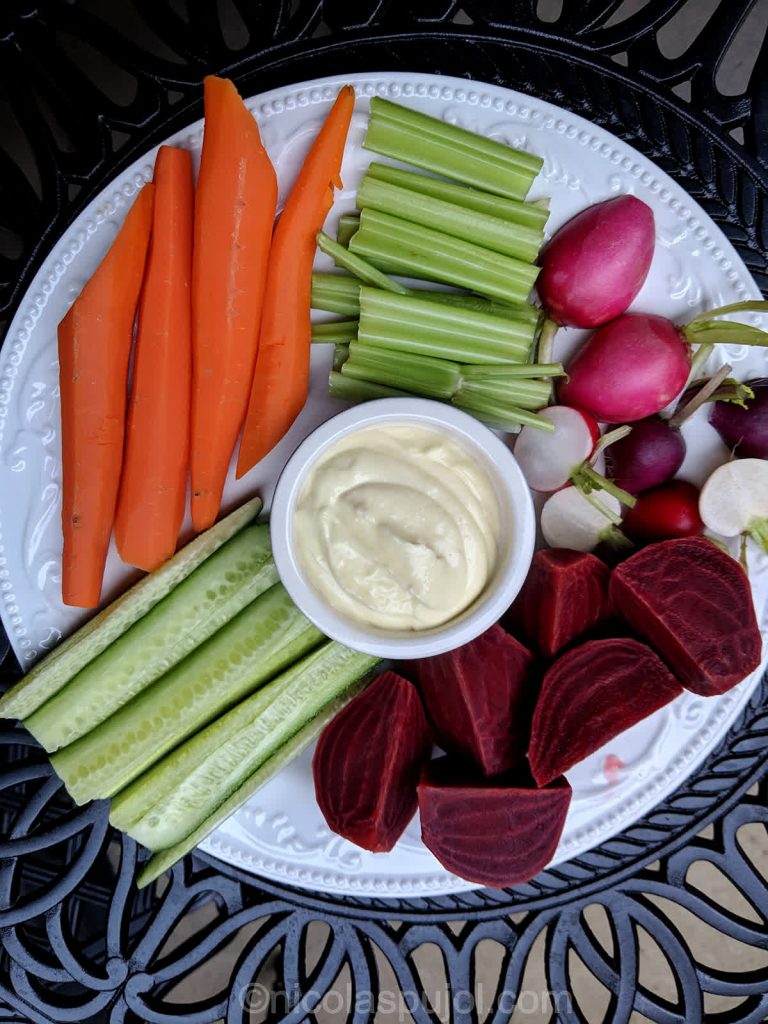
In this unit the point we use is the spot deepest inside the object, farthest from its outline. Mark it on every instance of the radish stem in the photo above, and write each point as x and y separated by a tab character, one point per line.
703	329
588	479
610	438
702	396
700	356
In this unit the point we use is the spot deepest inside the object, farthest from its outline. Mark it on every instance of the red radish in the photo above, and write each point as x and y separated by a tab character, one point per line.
571	519
496	832
734	500
745	429
367	763
692	603
564	595
548	459
654	450
479	699
634	366
590	695
595	265
664	512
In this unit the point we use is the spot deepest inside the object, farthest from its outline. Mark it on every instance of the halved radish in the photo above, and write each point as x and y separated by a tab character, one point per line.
570	519
734	500
548	459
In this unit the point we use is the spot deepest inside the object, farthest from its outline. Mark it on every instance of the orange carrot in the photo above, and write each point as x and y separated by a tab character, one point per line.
94	350
153	488
281	377
234	212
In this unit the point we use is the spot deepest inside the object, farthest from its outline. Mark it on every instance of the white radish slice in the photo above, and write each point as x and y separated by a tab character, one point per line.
734	500
548	459
569	520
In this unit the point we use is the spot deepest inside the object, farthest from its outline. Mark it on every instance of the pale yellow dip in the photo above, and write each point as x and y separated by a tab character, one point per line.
397	527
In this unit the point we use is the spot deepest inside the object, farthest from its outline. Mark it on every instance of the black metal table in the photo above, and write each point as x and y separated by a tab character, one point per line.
88	86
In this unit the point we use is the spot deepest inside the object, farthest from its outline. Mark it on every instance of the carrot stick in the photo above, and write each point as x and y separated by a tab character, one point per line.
94	350
281	378
153	488
234	212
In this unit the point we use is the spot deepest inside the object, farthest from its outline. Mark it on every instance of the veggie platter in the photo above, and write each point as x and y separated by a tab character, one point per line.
192	700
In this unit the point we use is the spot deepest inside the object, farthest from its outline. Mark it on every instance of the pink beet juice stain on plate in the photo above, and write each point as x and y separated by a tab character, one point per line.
613	767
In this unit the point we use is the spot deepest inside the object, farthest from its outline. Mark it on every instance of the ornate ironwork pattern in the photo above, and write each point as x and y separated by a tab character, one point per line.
87	87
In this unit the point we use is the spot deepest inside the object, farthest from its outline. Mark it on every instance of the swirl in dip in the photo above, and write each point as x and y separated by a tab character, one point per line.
397	527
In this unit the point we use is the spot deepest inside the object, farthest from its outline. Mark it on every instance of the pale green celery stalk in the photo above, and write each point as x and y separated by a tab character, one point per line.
506	417
336	332
432	378
296	745
505	372
399	247
351	390
446	149
357	266
409	324
532	215
479	228
516	311
336	293
340	355
525	394
348	225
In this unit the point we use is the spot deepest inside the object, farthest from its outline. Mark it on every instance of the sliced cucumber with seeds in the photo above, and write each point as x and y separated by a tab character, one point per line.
202	603
50	676
263	639
174	798
298	743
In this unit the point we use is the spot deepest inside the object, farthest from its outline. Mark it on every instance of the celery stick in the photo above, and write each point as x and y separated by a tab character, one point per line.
504	372
53	673
265	638
479	228
409	324
340	355
202	603
515	311
532	215
399	247
335	332
351	390
506	417
357	266
446	149
336	293
348	225
296	745
525	394
175	797
433	378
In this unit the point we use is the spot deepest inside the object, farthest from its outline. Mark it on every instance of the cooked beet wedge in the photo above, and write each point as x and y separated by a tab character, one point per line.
565	595
479	699
367	763
591	694
496	832
692	603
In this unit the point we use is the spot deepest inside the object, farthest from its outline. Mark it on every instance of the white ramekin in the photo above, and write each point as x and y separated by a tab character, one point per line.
517	528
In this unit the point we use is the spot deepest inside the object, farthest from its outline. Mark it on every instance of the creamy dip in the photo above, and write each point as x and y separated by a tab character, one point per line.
397	527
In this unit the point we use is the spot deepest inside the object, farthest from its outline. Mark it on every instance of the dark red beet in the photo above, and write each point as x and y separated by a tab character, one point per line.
367	763
565	595
665	512
496	833
648	456
591	694
479	699
692	603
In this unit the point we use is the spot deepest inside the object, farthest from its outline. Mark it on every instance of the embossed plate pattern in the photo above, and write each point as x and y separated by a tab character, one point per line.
280	833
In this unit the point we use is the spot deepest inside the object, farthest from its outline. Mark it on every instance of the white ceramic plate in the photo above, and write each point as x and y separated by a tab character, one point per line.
280	832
